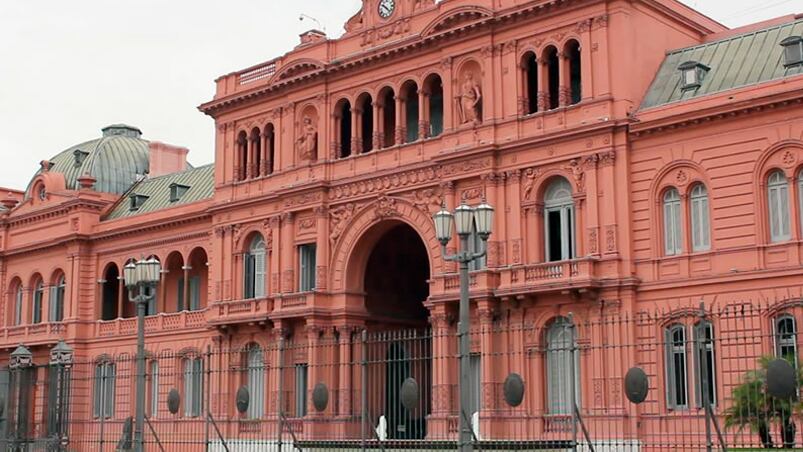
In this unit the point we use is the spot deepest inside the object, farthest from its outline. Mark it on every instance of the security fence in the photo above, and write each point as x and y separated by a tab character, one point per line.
701	379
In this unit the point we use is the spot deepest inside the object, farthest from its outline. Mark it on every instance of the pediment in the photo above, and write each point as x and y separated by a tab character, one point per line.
297	68
455	18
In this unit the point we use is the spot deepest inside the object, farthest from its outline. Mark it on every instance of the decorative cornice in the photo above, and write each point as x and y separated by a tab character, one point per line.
383	53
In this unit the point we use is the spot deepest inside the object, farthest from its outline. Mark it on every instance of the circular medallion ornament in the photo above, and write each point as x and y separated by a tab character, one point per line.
320	397
410	394
173	401
781	379
386	8
637	385
514	390
243	399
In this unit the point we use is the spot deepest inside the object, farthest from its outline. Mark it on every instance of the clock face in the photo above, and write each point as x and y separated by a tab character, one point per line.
386	8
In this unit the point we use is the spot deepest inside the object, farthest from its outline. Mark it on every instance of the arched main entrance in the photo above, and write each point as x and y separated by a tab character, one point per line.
396	279
396	285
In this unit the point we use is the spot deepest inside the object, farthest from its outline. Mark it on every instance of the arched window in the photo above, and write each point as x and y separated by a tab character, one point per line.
434	95
388	105
344	123
241	164
19	295
700	225
559	221
254	262
57	295
676	366
673	232
410	95
255	154
778	206
255	381
553	77
785	337
575	72
529	65
365	107
705	356
38	299
561	367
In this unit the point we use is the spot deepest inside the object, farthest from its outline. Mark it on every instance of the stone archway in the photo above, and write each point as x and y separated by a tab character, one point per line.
391	271
396	278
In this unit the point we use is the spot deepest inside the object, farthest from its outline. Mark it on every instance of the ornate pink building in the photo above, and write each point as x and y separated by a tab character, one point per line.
642	158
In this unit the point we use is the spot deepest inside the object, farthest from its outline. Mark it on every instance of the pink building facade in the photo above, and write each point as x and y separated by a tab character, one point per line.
635	175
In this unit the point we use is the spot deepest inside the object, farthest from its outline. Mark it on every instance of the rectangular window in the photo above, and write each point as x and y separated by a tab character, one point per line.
153	389
677	397
37	304
301	390
560	233
103	393
704	338
256	383
475	383
193	387
306	267
779	212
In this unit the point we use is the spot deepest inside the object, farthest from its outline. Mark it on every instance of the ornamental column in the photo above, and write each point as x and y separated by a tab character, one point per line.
287	258
563	70
322	247
376	139
401	120
543	84
356	124
263	159
423	114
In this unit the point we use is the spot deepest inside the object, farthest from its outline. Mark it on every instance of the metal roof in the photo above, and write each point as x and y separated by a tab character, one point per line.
201	183
737	61
117	160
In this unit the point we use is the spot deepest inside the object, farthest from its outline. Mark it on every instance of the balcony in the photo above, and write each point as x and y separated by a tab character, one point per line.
162	322
36	334
240	311
576	274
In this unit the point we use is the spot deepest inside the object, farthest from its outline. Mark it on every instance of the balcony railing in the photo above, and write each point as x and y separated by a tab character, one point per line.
223	312
160	322
39	332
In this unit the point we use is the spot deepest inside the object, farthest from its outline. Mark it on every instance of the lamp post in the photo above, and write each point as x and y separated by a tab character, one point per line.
465	219
141	278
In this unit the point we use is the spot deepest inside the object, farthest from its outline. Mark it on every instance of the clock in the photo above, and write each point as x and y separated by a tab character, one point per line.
386	8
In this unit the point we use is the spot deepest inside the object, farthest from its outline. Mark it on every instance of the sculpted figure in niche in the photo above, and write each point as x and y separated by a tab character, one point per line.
470	100
307	143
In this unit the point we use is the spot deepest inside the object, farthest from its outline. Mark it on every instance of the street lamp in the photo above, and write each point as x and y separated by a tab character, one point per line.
141	278
465	219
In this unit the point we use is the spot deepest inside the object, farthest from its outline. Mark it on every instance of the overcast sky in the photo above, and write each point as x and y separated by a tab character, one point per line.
69	68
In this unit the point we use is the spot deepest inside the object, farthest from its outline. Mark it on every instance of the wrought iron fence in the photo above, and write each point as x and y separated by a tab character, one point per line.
538	382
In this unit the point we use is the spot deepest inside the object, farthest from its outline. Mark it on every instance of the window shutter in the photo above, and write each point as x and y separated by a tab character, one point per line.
195	293
180	292
53	305
670	369
669	233
110	380
784	208
248	276
676	226
97	391
259	274
188	393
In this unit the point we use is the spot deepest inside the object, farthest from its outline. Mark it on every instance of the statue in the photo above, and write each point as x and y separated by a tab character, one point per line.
470	99
308	141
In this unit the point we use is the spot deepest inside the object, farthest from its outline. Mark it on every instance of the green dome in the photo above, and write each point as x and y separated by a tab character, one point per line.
117	160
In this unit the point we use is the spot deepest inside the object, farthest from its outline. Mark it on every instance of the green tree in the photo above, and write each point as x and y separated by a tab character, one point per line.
751	406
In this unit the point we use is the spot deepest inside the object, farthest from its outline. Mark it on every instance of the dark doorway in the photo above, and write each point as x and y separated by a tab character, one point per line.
111	291
396	278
